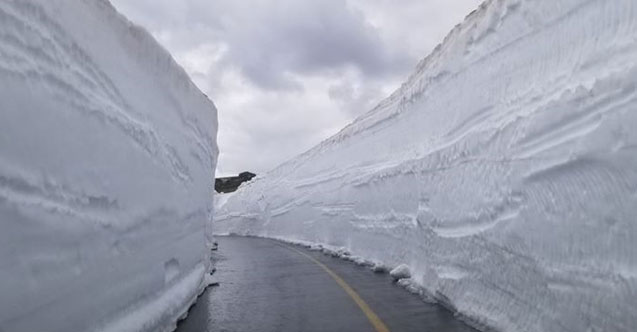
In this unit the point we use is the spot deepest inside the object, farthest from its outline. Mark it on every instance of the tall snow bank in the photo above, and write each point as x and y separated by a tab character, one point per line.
107	158
503	172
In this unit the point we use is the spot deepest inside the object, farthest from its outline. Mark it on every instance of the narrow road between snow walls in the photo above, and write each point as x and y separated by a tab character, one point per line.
267	285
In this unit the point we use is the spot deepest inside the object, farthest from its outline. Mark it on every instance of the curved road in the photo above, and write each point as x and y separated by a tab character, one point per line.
266	285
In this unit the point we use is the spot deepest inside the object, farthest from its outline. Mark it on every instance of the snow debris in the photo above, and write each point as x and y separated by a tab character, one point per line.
410	285
316	247
400	272
379	268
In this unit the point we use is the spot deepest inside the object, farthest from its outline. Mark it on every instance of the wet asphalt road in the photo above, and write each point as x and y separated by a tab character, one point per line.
266	285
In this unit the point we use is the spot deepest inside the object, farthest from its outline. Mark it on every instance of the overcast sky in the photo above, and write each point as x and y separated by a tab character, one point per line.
286	74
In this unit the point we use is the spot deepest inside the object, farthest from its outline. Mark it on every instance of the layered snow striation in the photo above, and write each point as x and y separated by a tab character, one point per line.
107	158
502	173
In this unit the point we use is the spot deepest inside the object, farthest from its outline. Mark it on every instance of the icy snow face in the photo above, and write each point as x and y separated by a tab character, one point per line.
503	172
107	158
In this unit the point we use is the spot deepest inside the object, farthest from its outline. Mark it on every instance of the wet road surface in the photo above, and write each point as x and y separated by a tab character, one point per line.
266	285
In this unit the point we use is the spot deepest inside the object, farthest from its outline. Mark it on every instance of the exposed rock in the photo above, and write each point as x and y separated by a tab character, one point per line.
231	183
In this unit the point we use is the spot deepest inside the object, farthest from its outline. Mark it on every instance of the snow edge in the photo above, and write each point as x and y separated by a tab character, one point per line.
166	309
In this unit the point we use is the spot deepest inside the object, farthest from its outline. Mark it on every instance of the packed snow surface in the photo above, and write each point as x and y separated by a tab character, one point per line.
107	158
503	172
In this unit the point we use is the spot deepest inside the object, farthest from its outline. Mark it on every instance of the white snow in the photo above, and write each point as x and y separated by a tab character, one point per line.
379	268
107	159
400	272
220	199
503	172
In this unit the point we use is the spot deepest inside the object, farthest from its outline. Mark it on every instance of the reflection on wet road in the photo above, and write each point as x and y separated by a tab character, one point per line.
266	285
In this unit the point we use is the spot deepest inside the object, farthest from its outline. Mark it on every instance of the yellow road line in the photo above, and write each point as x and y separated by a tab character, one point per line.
371	316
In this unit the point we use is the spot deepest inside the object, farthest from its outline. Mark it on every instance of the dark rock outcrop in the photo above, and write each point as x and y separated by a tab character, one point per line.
231	183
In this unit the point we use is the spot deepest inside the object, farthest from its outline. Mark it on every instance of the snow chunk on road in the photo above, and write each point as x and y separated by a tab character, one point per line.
107	160
378	268
400	272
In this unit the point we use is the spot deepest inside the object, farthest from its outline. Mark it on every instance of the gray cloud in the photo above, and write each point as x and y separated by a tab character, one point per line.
305	37
286	74
268	40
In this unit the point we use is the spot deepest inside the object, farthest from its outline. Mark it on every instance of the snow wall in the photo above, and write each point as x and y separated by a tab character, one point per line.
107	159
503	172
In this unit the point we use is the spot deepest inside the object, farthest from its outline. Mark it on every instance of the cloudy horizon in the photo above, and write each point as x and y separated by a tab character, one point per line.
287	74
